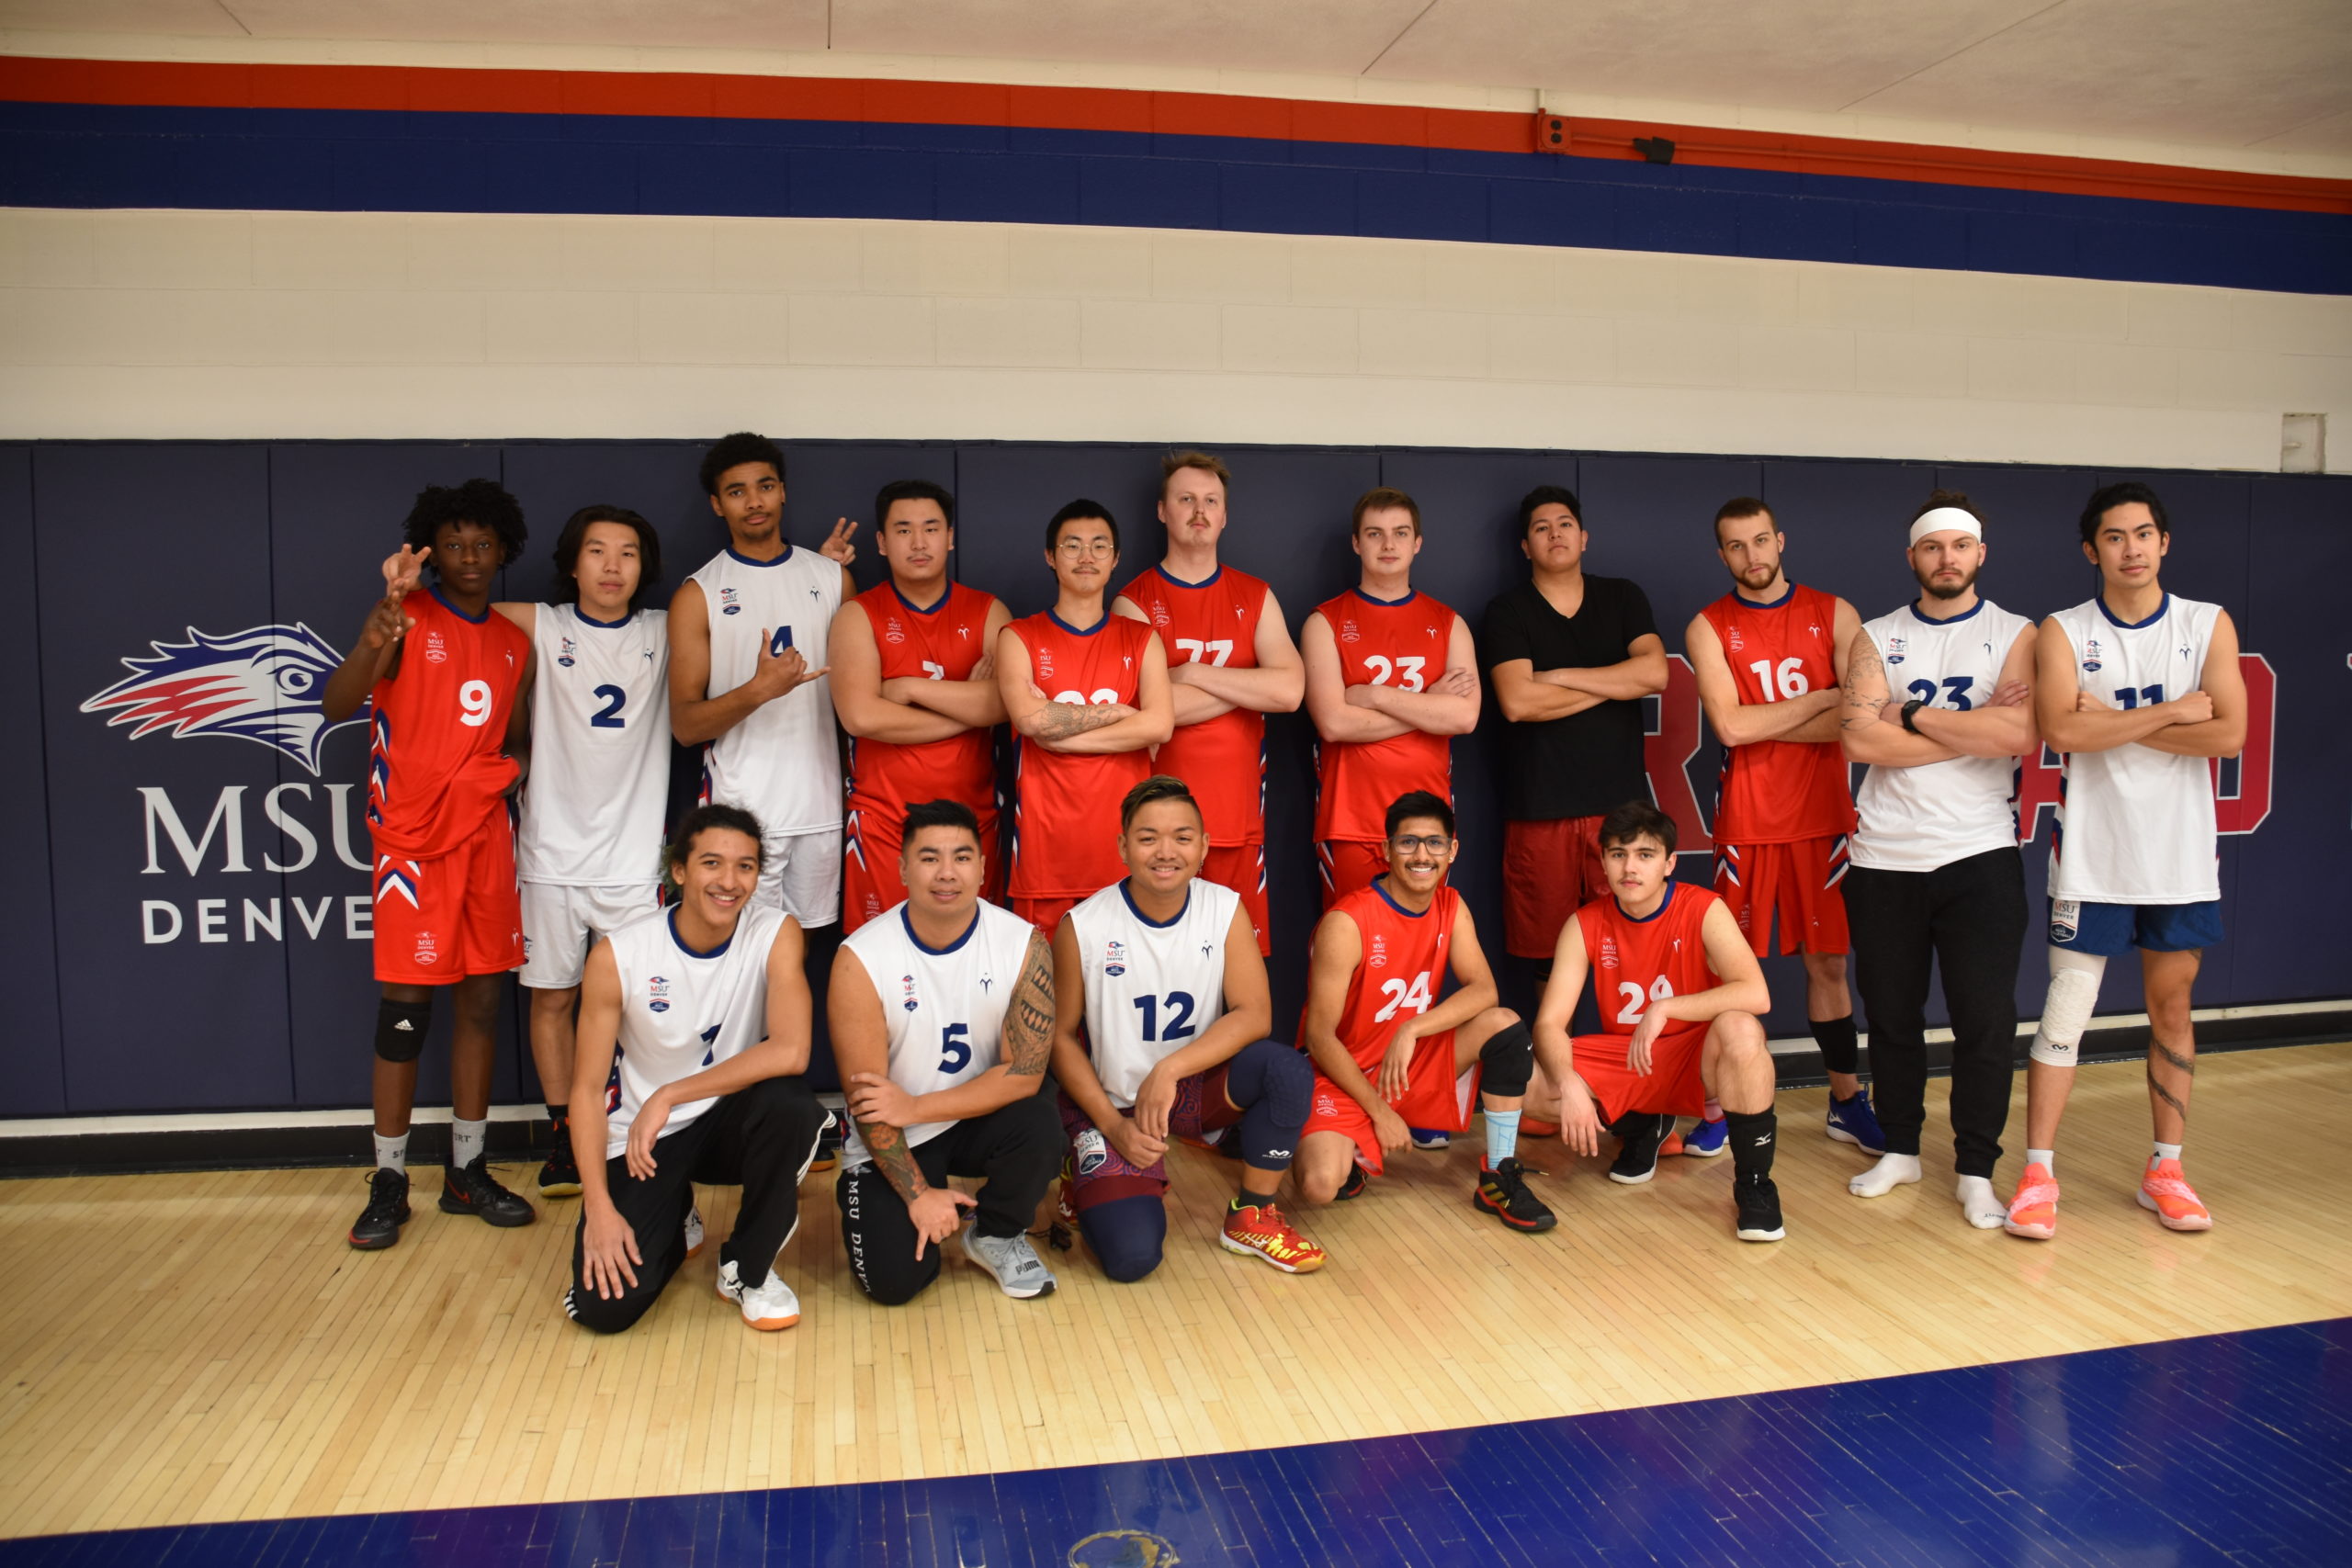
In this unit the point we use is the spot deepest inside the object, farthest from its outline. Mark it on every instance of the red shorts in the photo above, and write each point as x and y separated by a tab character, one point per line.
870	866
1348	864
1672	1086
1201	1107
1435	1097
438	922
1799	881
1045	914
1550	869
1242	867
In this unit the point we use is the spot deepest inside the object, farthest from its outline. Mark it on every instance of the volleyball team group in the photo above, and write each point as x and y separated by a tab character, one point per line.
1040	1007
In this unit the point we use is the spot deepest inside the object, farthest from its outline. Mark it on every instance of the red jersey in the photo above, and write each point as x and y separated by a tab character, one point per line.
436	769
1381	643
1636	963
943	642
1402	970
1776	792
1066	808
1224	759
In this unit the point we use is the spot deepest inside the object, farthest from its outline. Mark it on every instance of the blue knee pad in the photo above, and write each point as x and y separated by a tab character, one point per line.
1273	1085
1126	1234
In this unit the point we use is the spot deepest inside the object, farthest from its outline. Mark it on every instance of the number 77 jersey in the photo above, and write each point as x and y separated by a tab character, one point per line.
1223	759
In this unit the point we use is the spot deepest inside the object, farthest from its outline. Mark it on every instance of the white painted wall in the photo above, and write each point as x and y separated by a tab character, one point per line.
227	324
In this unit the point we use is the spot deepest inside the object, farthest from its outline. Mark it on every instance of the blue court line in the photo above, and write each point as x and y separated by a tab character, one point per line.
2226	1449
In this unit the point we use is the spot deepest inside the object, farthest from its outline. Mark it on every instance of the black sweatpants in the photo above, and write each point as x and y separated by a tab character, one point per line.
761	1138
1970	918
1015	1150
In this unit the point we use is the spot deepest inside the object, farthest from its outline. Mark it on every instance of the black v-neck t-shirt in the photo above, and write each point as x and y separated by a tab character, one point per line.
1591	762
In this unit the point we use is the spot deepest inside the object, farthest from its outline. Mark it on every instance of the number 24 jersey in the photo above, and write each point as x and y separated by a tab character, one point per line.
1401	967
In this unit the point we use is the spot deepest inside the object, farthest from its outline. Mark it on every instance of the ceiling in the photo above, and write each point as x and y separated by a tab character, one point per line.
2273	74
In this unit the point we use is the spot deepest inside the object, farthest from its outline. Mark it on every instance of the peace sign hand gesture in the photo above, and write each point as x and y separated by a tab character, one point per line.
403	571
840	544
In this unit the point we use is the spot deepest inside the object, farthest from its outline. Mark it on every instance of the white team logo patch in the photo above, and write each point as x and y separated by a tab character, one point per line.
1378	958
2090	656
906	991
564	654
730	602
261	684
657	991
1895	647
437	649
427	950
1114	958
1608	952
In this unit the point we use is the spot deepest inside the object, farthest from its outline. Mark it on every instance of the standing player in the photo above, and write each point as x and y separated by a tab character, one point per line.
589	849
2138	690
447	681
1572	656
914	684
1387	1052
1770	657
1392	677
741	686
1938	701
1231	662
942	1020
1088	692
1161	1010
1681	1003
699	1018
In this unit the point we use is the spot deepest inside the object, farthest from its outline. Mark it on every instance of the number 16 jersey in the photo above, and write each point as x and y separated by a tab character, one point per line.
1778	792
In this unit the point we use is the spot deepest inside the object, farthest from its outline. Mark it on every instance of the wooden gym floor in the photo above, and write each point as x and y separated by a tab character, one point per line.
193	1347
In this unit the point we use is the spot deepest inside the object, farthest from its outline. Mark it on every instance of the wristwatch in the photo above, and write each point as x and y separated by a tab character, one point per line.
1913	705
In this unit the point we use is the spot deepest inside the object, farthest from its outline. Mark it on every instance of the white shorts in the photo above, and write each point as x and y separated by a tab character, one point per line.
803	875
561	923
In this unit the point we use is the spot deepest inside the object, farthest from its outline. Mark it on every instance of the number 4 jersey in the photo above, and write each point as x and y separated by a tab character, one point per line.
437	772
1919	818
600	750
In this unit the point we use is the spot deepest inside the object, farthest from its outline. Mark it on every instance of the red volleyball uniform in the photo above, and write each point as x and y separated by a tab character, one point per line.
1066	808
1636	963
446	905
943	641
1401	644
1399	975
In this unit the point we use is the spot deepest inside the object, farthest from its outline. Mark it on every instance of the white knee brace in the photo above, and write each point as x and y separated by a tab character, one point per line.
2067	1010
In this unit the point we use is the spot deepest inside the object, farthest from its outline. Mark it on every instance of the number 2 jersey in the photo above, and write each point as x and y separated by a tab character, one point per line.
944	1007
1066	808
1921	818
1400	643
600	750
2135	825
1222	759
1151	989
1401	970
1778	792
437	772
1637	961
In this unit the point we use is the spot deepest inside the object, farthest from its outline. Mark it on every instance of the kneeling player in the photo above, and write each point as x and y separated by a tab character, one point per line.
1680	996
1161	1009
703	1014
943	1018
1386	1059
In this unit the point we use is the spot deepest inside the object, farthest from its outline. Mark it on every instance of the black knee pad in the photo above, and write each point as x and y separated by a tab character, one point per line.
1270	1074
399	1029
1507	1062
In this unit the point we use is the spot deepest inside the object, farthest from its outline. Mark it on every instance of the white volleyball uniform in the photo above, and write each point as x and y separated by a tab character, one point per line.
682	1011
2135	826
589	851
944	1006
1929	816
783	763
1150	989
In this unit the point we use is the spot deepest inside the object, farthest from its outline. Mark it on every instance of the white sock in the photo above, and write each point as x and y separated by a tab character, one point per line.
2163	1152
466	1139
1977	1203
1890	1172
2046	1158
392	1154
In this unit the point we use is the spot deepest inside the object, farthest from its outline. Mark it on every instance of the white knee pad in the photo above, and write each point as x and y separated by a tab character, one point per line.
2067	1010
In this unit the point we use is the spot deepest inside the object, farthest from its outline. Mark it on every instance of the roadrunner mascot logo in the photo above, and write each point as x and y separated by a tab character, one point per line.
261	684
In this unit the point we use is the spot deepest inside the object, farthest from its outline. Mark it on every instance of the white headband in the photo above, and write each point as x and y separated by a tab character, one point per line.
1946	518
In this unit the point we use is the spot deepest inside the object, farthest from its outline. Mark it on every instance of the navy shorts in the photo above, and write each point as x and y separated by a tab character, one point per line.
2107	931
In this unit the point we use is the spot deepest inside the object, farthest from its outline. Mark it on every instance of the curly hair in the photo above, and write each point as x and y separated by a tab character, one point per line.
483	502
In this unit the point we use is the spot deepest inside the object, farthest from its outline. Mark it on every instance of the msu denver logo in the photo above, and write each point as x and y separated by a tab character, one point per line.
261	684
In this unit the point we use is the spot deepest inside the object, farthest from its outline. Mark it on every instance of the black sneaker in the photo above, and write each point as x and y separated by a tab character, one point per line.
1354	1186
471	1189
387	1211
1760	1210
1637	1158
559	1177
1502	1192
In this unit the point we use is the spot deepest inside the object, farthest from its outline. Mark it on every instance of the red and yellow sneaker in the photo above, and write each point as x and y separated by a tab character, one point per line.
2166	1191
1260	1230
1530	1127
2033	1212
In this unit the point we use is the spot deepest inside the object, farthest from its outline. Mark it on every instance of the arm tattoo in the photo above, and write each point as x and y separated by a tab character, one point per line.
887	1144
1059	721
1029	1021
1861	712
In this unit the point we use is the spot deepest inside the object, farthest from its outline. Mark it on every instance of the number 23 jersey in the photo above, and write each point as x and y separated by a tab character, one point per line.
1921	818
437	769
1402	644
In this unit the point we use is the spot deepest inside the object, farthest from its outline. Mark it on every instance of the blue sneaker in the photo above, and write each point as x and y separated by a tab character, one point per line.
1431	1138
1853	1122
1708	1139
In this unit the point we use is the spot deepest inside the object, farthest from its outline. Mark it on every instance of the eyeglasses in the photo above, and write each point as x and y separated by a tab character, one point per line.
1436	845
1069	546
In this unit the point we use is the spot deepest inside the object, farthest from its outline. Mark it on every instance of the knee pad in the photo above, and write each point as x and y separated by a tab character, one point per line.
1128	1236
2066	1009
399	1029
1507	1062
1271	1074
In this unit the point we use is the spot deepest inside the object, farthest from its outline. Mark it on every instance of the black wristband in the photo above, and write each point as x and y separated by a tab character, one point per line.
1913	705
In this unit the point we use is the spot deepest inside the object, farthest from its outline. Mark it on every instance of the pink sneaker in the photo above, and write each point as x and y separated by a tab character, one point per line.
2033	1212
2166	1193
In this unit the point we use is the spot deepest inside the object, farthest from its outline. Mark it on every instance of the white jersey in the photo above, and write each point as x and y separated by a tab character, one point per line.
1919	819
2135	826
600	750
783	763
944	1006
1150	989
683	1011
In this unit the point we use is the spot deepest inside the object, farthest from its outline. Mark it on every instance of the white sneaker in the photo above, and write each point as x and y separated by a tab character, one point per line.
694	1230
1019	1272
771	1306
